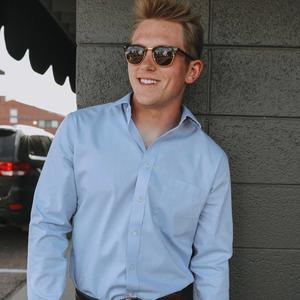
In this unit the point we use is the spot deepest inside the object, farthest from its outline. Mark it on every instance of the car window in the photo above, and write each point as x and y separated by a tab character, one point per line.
7	142
39	145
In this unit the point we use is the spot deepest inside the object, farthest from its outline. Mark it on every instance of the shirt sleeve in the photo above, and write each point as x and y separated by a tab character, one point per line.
213	240
54	204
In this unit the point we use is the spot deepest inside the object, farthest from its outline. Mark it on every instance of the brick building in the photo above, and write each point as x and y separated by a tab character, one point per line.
14	112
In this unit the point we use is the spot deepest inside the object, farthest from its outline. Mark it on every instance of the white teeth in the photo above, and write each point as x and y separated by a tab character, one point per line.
148	81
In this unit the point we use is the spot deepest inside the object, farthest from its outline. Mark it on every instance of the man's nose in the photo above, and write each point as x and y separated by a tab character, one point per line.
148	62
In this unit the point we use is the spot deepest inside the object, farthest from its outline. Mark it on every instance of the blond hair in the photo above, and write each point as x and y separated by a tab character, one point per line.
174	11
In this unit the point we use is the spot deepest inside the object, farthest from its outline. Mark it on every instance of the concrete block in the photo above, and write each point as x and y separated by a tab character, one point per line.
265	274
266	216
103	21
261	150
256	22
101	75
255	82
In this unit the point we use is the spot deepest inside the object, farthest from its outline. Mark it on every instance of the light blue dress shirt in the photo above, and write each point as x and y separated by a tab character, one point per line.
145	222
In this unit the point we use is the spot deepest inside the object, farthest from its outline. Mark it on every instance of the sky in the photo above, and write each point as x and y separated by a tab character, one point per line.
24	85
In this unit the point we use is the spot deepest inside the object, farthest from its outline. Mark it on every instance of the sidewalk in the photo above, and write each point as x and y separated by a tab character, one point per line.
69	293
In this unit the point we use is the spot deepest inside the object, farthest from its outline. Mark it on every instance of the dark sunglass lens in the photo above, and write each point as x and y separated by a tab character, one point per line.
134	54
163	55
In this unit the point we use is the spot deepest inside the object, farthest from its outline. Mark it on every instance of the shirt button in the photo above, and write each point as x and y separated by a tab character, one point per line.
148	165
140	199
132	267
134	232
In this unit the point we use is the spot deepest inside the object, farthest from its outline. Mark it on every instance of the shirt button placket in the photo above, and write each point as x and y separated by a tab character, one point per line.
136	221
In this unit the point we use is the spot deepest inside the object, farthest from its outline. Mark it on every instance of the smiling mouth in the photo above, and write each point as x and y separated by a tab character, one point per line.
146	81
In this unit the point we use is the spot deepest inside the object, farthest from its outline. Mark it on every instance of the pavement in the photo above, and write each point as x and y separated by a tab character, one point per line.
69	293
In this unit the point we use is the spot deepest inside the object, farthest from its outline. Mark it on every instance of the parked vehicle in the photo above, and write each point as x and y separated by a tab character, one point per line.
23	151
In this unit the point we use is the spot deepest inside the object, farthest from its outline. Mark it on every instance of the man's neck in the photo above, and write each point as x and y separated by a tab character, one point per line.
153	122
157	118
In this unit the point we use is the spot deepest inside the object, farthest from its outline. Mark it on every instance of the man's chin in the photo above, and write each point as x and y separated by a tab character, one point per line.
145	100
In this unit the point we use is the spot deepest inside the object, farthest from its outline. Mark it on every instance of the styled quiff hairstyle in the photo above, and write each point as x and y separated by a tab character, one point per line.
174	11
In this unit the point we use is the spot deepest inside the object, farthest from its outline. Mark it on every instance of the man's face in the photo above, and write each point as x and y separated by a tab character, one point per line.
169	81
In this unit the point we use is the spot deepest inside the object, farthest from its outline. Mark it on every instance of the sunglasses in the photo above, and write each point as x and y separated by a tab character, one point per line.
162	55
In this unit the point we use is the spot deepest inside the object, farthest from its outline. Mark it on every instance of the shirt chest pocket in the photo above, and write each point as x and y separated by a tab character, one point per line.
177	209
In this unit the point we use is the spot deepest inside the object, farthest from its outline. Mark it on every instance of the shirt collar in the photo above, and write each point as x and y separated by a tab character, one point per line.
186	113
125	103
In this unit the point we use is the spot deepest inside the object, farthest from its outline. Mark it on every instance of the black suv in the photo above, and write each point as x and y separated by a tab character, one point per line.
23	151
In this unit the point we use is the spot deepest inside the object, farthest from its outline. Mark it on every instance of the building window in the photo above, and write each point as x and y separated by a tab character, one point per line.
54	124
13	115
13	120
48	123
13	112
42	123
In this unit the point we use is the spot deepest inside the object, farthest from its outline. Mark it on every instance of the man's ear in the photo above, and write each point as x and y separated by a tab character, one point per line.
194	71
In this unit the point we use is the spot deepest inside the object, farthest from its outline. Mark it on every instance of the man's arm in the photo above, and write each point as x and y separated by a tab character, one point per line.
213	240
54	204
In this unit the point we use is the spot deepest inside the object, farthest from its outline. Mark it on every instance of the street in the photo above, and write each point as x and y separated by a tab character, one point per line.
13	256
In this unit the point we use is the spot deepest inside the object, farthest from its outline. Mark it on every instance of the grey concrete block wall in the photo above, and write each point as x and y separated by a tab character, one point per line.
101	21
263	82
248	100
255	22
261	150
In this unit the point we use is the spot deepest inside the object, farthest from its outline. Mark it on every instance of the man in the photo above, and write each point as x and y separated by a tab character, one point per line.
145	192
